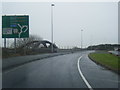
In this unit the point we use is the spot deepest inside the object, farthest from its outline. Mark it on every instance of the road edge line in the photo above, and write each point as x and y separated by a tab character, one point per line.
81	74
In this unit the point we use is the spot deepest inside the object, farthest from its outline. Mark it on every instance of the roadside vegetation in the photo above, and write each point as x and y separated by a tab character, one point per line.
11	52
106	59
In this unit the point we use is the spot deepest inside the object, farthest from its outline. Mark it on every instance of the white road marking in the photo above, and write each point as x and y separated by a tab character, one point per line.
80	72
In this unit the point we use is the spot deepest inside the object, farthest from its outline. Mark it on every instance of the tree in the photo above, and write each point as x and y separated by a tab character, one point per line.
22	41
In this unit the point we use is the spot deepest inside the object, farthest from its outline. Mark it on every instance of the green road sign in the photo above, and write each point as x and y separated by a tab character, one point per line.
15	26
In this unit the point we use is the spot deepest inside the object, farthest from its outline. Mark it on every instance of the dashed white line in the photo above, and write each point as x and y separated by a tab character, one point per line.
81	74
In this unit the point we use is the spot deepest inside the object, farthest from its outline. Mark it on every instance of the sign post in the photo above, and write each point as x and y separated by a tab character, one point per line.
4	42
15	44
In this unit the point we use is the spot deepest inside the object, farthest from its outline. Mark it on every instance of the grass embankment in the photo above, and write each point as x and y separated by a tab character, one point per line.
108	60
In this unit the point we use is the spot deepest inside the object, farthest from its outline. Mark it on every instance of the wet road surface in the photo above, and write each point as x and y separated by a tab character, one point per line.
60	72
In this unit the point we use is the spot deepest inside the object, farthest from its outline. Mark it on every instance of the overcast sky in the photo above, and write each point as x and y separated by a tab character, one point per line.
98	20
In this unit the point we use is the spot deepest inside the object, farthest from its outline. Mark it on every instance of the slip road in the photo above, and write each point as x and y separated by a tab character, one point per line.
65	71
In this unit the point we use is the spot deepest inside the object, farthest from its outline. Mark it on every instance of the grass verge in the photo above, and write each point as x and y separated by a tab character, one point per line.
105	59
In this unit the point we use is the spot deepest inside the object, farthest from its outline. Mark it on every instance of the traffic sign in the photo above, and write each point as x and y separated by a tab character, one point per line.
15	26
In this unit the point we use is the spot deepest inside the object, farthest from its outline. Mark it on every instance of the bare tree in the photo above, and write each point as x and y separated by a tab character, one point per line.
22	41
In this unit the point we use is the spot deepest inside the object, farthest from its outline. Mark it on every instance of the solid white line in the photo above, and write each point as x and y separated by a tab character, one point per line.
80	72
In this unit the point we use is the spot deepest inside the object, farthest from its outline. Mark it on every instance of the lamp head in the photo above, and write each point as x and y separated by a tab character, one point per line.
52	4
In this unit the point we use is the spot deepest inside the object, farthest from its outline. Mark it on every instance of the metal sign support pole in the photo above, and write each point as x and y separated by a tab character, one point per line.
15	44
4	42
24	47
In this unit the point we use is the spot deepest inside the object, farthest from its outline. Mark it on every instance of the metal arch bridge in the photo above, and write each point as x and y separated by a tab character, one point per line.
39	46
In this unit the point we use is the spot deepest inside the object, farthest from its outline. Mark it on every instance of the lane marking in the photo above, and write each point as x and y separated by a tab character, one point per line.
81	74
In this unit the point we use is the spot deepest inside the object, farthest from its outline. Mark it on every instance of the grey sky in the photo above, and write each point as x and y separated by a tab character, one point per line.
99	21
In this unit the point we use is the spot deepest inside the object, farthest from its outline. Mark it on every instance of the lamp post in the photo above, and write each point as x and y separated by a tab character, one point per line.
52	5
81	39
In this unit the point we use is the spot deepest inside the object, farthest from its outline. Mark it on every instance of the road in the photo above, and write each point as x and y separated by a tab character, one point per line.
11	62
61	72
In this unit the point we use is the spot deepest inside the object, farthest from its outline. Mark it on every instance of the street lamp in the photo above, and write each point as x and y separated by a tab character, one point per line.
52	5
81	39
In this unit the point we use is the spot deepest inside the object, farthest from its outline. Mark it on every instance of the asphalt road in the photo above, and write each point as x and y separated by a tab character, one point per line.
60	72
